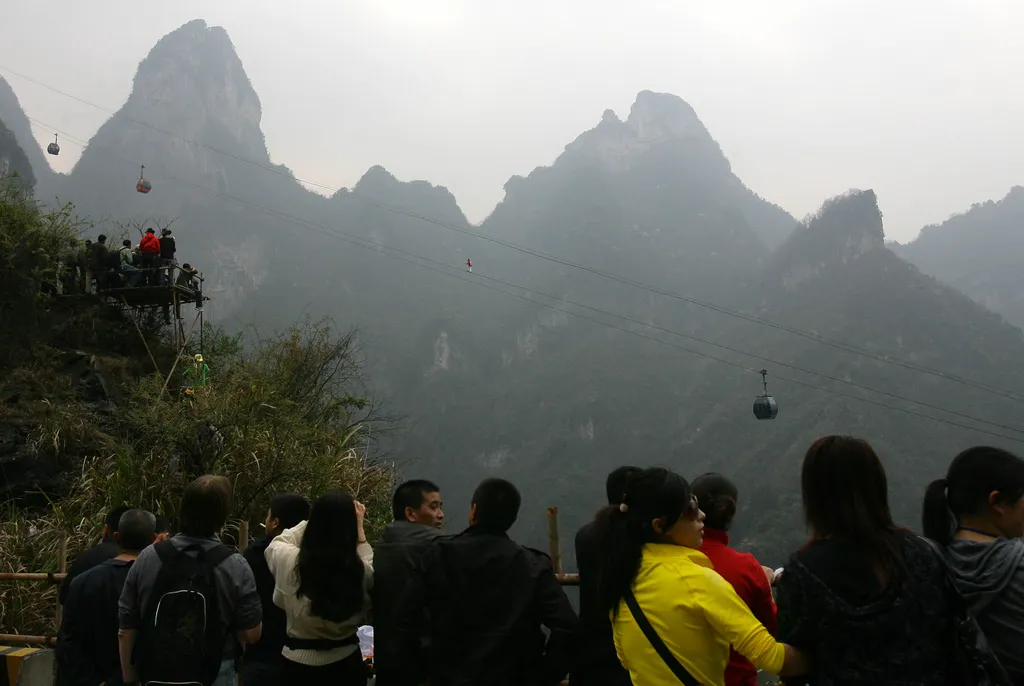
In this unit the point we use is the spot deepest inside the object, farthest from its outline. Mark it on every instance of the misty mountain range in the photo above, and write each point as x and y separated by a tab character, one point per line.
621	303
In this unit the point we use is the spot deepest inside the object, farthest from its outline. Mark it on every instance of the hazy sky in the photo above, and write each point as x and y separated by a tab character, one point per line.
919	99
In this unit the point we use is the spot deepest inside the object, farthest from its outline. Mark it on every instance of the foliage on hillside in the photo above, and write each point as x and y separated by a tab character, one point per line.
79	398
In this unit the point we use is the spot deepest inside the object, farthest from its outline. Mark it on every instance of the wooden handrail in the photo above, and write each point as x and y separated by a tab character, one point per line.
18	639
49	577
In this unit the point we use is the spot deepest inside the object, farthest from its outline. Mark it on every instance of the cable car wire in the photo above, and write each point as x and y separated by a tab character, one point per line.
397	253
817	338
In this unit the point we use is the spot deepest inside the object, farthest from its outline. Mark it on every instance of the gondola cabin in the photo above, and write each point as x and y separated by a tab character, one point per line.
143	186
53	148
765	406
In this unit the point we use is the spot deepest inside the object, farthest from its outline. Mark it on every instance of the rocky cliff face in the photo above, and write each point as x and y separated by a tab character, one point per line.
13	160
19	134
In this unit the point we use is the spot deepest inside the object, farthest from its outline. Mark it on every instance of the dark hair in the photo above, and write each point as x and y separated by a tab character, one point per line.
114	517
497	505
654	493
411	494
205	506
289	509
973	475
717	496
165	232
101	238
846	496
136	529
330	571
150	231
163	525
615	484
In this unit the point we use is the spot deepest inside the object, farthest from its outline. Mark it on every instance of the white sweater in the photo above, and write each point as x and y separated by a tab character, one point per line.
283	559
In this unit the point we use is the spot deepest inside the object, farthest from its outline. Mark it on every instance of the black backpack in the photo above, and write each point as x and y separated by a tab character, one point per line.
182	637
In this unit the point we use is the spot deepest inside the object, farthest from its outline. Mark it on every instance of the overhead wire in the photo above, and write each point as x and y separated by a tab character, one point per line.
817	338
421	261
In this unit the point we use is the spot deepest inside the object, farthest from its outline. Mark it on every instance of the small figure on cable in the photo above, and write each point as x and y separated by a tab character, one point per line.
469	265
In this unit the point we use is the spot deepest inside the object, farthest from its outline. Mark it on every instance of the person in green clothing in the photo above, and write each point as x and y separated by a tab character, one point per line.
195	375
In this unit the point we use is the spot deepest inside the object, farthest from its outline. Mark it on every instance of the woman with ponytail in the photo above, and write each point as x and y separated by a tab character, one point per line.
864	598
673	617
977	514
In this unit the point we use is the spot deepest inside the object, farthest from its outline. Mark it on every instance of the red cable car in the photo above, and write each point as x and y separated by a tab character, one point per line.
143	186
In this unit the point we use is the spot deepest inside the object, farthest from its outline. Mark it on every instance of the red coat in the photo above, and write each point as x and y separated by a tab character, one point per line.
746	576
149	245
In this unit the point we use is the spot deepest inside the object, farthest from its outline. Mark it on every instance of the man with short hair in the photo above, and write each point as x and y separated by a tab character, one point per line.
97	263
596	663
419	516
87	650
482	600
263	662
105	550
205	506
167	261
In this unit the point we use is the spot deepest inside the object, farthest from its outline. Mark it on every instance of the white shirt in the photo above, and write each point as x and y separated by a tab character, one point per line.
283	559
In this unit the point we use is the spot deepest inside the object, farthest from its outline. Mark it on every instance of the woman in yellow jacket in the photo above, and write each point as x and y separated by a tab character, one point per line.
651	561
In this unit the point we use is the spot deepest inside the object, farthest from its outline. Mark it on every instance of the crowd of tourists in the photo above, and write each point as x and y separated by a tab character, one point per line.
92	266
664	599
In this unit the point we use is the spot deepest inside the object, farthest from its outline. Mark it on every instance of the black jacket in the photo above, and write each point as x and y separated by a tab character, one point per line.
167	248
857	631
105	550
595	662
395	559
87	651
268	648
486	598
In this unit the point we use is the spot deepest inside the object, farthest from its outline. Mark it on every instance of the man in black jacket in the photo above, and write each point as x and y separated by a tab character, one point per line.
262	662
485	599
596	663
167	251
419	516
105	550
87	651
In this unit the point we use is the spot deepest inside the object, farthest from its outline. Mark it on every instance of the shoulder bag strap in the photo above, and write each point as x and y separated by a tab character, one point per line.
655	640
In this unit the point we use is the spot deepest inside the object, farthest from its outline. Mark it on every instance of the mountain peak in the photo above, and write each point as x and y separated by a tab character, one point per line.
663	115
846	227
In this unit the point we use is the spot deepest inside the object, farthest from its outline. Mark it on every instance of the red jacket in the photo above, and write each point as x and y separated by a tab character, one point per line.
745	575
149	245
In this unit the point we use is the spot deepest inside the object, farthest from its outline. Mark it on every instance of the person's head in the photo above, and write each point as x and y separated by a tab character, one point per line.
658	507
187	267
983	484
615	484
126	243
151	231
198	358
163	528
135	531
418	501
846	496
205	506
111	521
330	572
101	239
495	506
286	511
88	242
717	496
165	232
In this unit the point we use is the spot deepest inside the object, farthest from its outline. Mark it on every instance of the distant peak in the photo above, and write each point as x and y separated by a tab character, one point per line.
376	176
610	117
667	113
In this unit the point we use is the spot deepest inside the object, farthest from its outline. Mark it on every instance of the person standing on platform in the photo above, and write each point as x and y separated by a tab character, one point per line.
149	247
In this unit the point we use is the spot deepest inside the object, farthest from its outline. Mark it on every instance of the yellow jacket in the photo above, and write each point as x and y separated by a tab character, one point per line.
697	614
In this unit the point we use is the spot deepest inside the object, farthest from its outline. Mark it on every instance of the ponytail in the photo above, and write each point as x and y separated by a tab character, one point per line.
974	475
623	530
937	522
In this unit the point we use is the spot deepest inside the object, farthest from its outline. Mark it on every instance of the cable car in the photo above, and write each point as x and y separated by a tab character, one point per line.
143	186
765	406
53	148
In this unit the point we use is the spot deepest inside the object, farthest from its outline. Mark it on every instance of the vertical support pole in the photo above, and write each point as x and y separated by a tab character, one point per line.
62	567
554	541
243	536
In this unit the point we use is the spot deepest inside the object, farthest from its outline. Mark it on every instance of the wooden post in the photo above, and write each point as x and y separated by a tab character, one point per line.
243	536
554	543
62	567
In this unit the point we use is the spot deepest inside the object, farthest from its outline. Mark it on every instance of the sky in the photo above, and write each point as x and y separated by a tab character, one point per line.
920	100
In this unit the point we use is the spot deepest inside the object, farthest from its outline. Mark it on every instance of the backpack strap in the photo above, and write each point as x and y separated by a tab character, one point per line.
655	640
216	555
166	550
